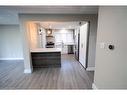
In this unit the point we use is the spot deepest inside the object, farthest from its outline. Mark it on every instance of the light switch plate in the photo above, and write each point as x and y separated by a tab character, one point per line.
102	45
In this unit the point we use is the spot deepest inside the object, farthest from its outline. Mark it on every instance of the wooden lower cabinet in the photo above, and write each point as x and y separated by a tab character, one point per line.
46	59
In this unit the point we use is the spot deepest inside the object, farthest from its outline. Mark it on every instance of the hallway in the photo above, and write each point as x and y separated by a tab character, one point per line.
71	75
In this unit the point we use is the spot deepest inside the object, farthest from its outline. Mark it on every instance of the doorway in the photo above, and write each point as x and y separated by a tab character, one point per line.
70	37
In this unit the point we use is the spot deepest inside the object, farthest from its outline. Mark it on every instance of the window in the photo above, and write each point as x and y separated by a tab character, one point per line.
65	36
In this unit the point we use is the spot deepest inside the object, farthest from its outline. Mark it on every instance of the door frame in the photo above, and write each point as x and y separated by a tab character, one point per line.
87	48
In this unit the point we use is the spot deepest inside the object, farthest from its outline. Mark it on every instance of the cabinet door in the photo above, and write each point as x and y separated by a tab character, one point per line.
83	44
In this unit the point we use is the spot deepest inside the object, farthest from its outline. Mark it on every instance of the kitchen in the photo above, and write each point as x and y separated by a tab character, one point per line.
50	40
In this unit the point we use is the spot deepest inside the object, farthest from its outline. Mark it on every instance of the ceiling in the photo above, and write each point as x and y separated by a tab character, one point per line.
9	14
61	25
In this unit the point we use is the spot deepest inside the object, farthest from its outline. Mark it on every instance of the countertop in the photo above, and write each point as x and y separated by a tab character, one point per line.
65	43
69	43
46	50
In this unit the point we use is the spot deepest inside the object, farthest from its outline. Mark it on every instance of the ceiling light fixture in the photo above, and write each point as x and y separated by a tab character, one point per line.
49	31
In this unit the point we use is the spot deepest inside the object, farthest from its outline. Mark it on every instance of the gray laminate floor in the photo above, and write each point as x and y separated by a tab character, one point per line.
71	75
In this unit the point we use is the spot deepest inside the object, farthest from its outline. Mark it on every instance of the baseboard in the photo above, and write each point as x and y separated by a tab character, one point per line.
11	58
90	68
94	86
27	71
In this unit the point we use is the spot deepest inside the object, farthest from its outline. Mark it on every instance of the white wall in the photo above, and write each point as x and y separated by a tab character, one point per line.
111	65
34	35
10	42
92	44
36	40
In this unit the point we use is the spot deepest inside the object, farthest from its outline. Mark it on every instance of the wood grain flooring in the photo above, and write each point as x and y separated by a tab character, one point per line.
71	75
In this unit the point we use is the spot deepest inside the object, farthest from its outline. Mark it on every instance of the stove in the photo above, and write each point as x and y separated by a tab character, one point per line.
50	45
